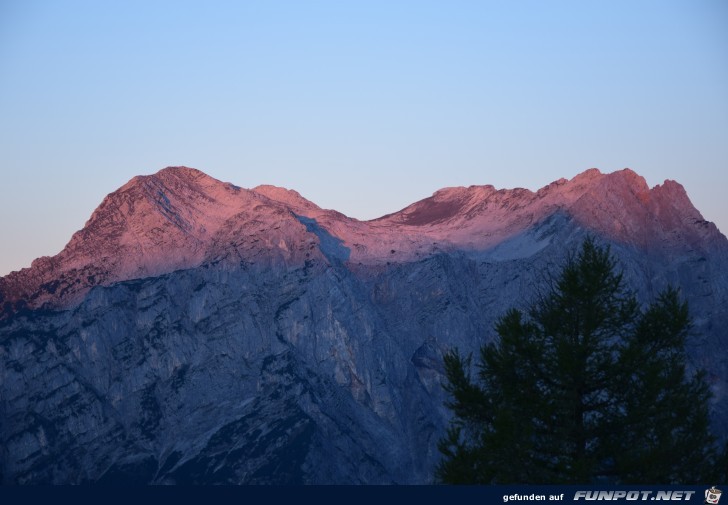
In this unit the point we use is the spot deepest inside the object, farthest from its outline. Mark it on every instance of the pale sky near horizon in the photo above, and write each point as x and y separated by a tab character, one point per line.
361	106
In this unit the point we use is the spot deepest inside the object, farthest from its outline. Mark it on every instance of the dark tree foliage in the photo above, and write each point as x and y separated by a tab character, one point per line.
584	387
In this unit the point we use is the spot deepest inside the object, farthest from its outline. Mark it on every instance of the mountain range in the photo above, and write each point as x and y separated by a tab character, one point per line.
197	332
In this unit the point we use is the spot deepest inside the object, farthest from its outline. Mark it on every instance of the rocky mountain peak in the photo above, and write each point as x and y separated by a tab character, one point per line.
180	217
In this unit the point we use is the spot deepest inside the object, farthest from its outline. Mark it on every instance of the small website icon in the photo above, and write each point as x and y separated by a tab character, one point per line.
712	495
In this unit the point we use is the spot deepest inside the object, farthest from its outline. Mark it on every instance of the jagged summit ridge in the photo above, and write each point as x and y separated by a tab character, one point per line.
181	217
618	205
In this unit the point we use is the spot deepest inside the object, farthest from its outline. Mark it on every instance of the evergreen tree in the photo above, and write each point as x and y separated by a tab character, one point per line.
663	426
583	387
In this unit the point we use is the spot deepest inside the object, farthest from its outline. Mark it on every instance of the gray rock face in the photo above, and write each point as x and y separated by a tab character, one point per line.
283	353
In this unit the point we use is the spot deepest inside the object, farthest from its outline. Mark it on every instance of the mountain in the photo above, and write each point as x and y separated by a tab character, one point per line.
197	332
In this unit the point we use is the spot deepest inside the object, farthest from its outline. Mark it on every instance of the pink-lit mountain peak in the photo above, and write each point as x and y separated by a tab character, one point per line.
180	218
619	206
209	196
462	204
175	204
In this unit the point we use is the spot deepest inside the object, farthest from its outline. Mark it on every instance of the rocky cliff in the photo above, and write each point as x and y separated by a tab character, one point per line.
197	332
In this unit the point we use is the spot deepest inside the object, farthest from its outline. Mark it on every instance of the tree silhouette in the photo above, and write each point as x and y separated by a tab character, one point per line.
583	387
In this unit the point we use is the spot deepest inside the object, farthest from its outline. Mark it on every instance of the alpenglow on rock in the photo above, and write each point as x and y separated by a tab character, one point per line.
198	332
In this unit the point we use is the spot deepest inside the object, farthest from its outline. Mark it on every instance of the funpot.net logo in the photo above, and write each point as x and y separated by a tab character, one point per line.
671	495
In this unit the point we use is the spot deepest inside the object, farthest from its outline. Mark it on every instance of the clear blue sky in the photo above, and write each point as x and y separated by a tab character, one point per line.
363	106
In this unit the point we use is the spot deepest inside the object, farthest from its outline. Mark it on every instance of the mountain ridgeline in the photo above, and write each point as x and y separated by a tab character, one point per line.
198	332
